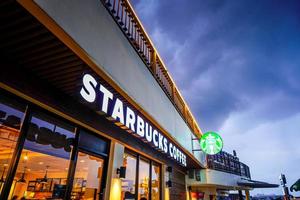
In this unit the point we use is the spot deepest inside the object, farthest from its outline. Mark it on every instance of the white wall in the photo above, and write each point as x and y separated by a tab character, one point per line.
209	176
91	26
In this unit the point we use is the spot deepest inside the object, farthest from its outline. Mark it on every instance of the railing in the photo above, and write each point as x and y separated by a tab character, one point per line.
228	163
124	15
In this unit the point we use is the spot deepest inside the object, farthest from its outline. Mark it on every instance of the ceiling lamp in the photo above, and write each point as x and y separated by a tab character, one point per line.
45	179
22	179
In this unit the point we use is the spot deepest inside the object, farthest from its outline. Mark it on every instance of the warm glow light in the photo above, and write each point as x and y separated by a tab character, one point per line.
26	157
167	195
40	163
82	161
115	192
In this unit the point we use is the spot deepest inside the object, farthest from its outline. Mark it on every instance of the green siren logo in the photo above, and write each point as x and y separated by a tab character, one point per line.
211	143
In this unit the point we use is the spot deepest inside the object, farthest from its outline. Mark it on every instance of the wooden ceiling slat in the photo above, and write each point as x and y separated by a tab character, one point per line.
51	59
68	82
54	64
9	35
40	48
6	3
24	38
65	74
59	67
9	12
44	54
12	24
39	41
40	52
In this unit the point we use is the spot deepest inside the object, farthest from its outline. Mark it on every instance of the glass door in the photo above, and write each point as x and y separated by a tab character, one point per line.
43	166
88	176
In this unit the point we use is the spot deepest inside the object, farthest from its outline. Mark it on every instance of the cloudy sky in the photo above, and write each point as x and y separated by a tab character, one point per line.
237	63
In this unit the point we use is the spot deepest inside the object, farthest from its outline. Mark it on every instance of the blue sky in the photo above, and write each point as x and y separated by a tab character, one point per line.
237	63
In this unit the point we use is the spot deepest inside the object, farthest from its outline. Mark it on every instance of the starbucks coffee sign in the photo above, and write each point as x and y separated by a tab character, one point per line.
211	143
112	106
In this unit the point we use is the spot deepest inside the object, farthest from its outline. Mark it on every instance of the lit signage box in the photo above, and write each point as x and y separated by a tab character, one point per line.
114	107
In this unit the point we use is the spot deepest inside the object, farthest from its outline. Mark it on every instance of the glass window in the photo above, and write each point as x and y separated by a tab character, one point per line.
128	183
143	180
43	168
11	116
155	182
87	177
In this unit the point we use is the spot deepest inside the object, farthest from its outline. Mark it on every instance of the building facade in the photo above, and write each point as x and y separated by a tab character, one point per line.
224	178
87	108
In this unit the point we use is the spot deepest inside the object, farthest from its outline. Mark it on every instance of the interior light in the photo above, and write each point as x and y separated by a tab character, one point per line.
116	189
82	161
45	179
26	157
40	163
22	179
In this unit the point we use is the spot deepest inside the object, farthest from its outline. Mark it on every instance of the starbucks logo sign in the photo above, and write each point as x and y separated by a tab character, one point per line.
211	143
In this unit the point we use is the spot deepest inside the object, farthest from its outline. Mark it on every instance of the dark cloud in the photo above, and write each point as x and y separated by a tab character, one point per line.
237	63
226	55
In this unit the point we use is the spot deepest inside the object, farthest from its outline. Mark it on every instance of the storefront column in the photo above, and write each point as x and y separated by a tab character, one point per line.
247	194
165	192
113	192
240	194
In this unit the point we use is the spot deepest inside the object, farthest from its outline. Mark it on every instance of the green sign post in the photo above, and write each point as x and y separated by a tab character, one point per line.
211	143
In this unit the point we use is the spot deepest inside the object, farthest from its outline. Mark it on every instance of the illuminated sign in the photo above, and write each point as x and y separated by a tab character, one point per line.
108	103
211	143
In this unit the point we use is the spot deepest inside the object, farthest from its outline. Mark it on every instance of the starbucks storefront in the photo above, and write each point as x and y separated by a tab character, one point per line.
68	131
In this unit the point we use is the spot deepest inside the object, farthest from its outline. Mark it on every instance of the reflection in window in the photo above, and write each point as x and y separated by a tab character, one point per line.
143	180
128	184
87	177
155	181
43	168
11	116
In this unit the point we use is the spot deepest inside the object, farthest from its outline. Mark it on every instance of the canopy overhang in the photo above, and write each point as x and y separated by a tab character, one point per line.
256	184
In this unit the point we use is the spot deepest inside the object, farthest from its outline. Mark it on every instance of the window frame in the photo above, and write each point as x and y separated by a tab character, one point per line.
138	158
30	109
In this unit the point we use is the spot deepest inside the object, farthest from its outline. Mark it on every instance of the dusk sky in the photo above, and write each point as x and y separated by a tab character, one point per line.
237	63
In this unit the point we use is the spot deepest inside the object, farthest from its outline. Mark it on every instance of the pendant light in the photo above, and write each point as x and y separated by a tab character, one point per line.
45	179
22	179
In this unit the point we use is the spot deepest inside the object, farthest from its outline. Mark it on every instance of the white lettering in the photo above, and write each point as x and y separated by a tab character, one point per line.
184	160
88	90
106	96
148	133
140	127
171	149
130	119
174	153
160	141
165	145
118	112
155	139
